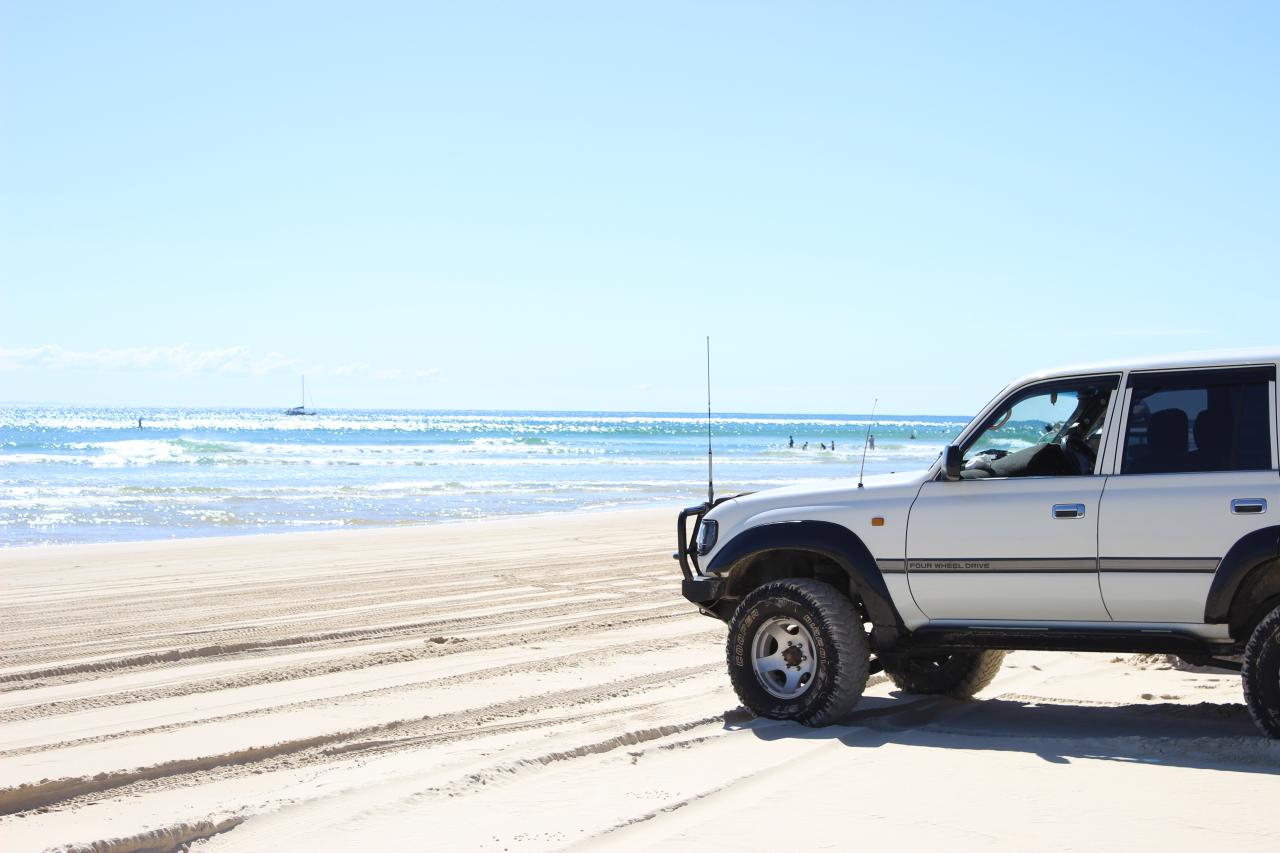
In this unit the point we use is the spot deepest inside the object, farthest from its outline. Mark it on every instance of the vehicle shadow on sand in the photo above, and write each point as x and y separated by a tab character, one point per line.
1204	736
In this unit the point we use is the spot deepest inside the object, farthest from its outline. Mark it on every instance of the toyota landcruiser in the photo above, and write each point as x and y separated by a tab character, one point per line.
1117	508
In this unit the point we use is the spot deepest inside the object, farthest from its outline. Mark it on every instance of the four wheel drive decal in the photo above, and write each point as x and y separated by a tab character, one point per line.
1087	565
1051	564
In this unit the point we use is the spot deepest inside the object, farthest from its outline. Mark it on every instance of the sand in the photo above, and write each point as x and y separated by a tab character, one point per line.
539	684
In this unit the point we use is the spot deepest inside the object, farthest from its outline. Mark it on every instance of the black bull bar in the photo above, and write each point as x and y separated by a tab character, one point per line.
699	590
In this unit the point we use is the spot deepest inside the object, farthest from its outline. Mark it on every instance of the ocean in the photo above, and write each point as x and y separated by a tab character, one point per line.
92	475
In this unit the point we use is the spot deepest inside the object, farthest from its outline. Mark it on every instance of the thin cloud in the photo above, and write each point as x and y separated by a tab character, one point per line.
1155	333
179	359
240	361
378	374
342	370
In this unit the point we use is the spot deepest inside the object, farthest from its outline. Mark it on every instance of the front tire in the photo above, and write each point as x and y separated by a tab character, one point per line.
1261	674
797	651
959	674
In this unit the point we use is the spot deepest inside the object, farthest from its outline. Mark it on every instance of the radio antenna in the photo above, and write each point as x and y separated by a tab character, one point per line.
867	441
711	492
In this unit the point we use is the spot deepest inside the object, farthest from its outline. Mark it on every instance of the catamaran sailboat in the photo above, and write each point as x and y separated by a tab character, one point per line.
301	410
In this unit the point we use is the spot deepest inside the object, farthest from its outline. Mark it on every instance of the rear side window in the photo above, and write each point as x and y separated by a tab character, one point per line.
1205	420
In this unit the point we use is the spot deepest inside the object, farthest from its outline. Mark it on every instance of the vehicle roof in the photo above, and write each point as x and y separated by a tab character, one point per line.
1201	358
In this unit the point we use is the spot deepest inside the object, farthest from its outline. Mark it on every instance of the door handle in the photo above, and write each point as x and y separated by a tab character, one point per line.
1068	510
1249	506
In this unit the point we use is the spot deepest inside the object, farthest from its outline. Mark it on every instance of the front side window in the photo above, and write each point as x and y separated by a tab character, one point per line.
1049	430
1207	420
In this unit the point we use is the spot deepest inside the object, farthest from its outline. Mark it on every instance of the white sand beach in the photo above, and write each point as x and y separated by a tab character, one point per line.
539	684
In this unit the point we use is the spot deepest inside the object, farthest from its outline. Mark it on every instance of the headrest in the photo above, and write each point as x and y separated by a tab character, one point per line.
1213	429
1167	431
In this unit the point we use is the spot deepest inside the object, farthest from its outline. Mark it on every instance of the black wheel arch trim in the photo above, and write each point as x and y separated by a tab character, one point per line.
834	541
1250	551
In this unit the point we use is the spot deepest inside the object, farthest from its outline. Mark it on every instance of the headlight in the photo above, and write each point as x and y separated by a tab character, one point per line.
707	533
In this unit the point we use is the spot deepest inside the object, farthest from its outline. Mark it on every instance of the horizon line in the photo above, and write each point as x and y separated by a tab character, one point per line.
699	414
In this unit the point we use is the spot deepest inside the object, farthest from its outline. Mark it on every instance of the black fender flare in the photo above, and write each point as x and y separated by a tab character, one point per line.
836	542
1249	552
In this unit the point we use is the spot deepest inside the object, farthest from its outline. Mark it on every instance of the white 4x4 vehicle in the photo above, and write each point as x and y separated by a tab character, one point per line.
1117	508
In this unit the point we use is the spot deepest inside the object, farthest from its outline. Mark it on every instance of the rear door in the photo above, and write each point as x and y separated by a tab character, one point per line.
1197	470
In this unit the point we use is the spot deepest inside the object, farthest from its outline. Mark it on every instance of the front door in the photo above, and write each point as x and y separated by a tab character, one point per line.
1016	538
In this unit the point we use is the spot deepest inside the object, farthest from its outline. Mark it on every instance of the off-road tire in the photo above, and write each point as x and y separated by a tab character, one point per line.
960	674
1261	674
842	651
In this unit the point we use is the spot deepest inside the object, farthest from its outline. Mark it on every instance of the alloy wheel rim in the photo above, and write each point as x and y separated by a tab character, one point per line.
783	657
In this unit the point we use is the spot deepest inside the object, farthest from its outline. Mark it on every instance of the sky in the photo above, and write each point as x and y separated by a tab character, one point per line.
550	205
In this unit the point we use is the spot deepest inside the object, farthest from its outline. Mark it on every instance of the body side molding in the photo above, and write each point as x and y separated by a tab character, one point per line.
1249	552
953	634
831	540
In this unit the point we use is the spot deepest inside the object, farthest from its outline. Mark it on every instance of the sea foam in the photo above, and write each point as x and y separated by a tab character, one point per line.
90	474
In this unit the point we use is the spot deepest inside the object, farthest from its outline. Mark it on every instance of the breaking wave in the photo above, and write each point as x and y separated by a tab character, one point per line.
93	475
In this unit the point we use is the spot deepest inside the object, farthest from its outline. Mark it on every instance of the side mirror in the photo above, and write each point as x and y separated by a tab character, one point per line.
952	462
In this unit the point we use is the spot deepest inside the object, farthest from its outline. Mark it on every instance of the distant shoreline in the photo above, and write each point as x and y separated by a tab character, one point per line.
352	530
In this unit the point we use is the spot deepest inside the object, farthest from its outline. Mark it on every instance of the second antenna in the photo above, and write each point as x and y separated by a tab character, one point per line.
711	491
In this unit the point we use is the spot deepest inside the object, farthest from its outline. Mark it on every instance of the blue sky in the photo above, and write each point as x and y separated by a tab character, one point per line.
549	205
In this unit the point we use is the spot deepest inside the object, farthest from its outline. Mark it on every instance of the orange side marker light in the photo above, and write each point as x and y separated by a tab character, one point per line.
877	521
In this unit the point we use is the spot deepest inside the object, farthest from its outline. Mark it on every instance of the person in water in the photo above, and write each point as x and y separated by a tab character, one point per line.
804	446
833	445
871	442
823	445
791	441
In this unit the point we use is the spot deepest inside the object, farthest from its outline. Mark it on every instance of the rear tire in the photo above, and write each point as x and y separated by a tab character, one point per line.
960	674
797	651
1261	674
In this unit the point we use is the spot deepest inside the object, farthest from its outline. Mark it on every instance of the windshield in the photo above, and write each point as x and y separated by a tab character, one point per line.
1034	420
1048	430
